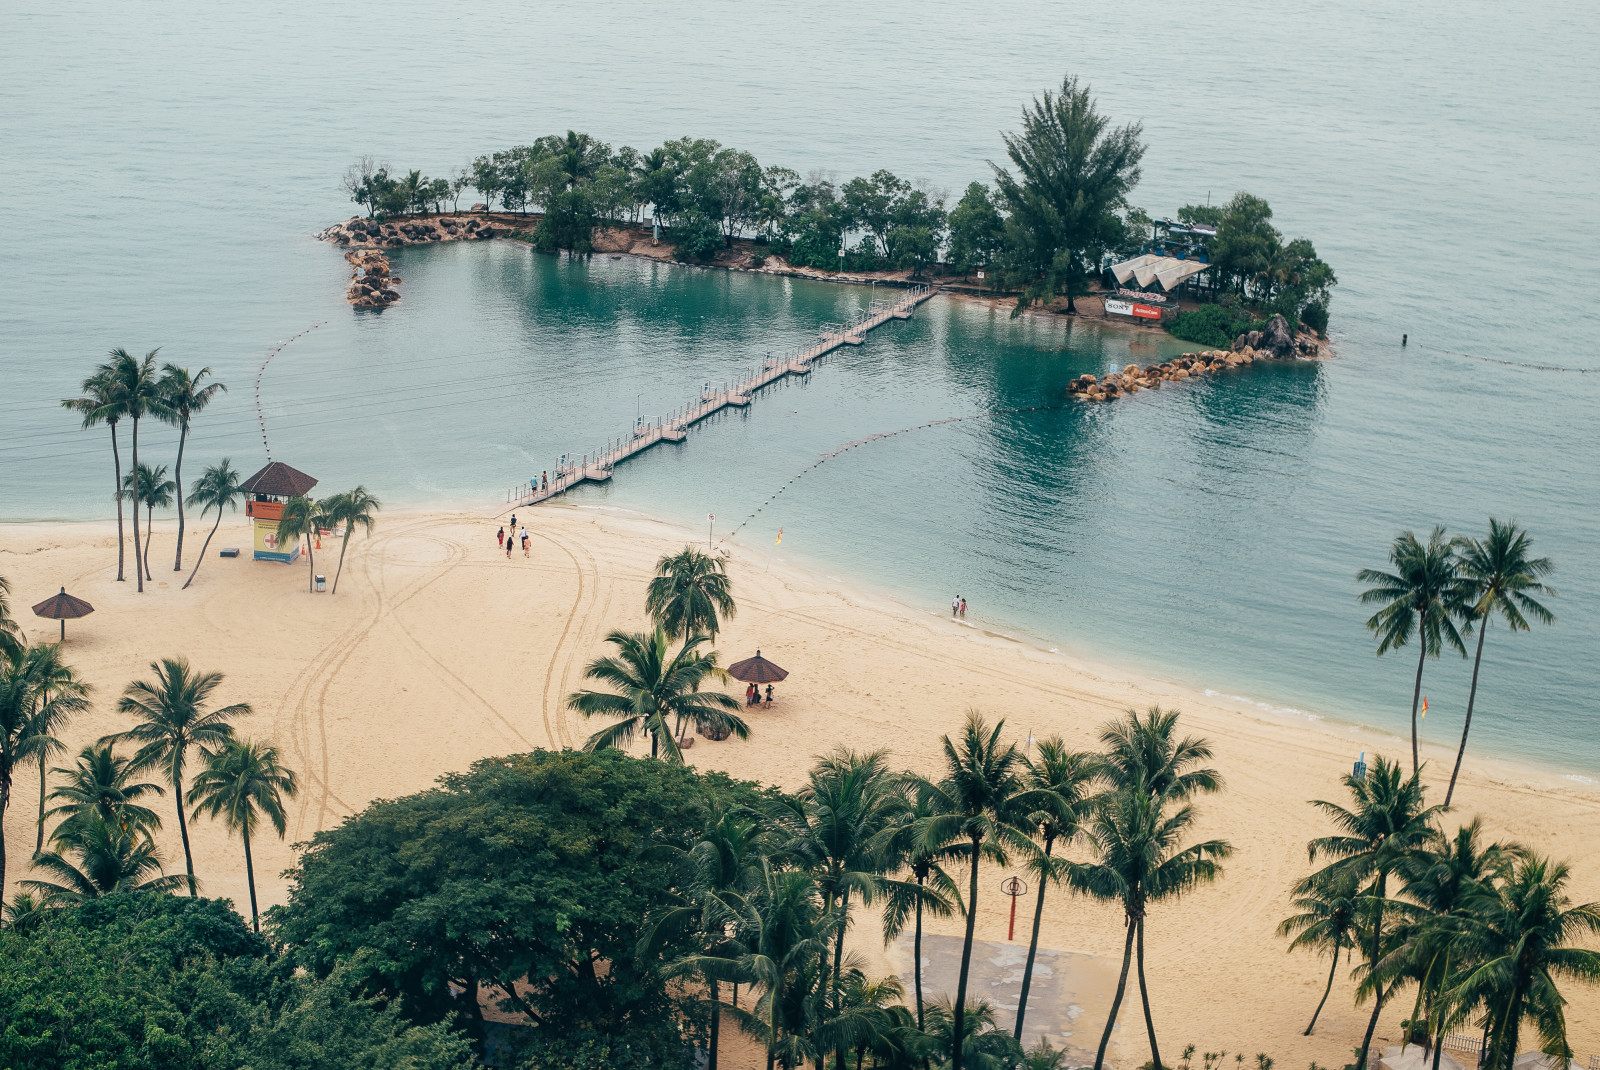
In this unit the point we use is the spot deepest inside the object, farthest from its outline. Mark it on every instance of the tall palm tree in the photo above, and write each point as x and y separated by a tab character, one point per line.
904	846
12	643
784	929
1064	781
150	488
1420	598
101	787
304	517
102	402
1147	750
1140	863
1500	578
243	782
172	717
217	488
24	911
1327	921
20	742
110	859
980	801
354	509
689	591
140	395
59	695
1521	941
1388	824
650	690
184	397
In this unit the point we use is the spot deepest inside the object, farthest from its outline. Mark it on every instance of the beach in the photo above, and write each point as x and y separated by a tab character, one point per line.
438	650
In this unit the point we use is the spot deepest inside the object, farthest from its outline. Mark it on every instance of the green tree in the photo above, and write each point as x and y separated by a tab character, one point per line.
241	783
785	931
904	846
217	488
977	230
139	394
487	179
1499	577
353	509
101	787
12	644
102	402
690	594
1419	598
649	690
171	718
20	742
153	491
1246	241
304	518
110	859
1072	175
184	396
1326	922
59	694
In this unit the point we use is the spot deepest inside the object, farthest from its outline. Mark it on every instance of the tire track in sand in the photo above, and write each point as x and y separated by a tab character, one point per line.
551	702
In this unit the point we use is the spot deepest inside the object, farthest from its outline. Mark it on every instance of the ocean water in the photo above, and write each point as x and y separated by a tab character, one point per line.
168	167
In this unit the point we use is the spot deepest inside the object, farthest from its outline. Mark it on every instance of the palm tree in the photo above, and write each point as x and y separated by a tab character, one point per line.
1064	780
984	1045
217	488
100	787
59	695
303	517
19	738
784	929
172	718
11	642
154	491
139	394
931	889
1327	920
651	690
1520	939
184	397
1389	823
102	402
688	592
1499	578
1146	750
354	509
25	911
110	859
1420	597
242	782
1140	864
981	799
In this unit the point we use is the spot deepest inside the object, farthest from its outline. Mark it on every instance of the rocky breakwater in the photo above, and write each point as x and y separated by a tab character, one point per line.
361	233
371	285
1273	342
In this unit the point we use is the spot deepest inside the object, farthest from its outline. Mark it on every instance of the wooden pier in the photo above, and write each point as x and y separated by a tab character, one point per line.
596	466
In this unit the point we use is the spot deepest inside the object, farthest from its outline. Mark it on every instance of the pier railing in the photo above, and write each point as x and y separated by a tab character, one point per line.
596	465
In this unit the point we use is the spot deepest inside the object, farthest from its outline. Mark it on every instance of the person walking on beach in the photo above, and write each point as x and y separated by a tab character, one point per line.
513	521
525	542
511	541
500	538
955	605
544	482
963	609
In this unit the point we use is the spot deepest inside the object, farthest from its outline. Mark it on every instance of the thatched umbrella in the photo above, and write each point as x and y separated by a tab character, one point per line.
757	670
63	607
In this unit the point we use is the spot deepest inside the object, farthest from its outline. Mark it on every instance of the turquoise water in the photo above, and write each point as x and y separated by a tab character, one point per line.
169	166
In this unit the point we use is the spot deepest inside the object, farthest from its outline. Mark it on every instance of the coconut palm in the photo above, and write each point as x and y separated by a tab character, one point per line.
172	717
353	509
689	591
139	395
1326	922
102	402
1500	578
25	911
784	929
184	396
1420	598
1064	781
59	695
1387	825
109	859
101	787
304	517
1520	938
12	643
1139	864
930	889
650	690
217	488
984	1045
980	802
1147	750
153	491
243	782
20	742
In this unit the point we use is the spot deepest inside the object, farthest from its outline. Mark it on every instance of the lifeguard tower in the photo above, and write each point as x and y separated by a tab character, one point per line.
265	493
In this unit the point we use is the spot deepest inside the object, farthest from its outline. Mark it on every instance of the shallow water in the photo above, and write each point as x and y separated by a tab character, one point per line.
171	165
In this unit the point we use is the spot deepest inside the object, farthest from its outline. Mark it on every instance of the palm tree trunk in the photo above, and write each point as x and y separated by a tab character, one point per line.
203	548
1381	888
1472	696
1372	1025
149	528
5	804
916	951
1416	696
1331	971
959	1017
838	962
250	878
38	844
183	829
138	570
343	546
177	477
1144	996
311	561
116	463
1116	1001
716	1019
1033	950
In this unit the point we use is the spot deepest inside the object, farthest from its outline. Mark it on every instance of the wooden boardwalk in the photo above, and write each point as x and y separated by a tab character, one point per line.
597	466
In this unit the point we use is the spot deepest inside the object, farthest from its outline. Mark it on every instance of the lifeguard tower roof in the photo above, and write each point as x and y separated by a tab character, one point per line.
278	480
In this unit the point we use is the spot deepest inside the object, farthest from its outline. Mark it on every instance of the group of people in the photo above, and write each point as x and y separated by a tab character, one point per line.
958	607
752	696
508	539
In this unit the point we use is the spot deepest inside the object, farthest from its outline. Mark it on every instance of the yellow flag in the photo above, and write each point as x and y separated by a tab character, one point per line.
779	539
1424	705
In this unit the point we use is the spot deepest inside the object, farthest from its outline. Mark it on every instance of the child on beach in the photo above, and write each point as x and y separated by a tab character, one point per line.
963	609
500	538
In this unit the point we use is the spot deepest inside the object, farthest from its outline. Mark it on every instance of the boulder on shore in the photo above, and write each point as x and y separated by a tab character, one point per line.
1277	339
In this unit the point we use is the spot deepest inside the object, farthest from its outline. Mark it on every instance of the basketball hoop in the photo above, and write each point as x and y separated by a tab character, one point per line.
1014	887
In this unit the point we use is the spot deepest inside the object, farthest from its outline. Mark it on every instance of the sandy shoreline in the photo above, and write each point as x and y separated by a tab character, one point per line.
438	651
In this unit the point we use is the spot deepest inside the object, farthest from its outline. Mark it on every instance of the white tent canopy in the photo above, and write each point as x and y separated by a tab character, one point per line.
1146	268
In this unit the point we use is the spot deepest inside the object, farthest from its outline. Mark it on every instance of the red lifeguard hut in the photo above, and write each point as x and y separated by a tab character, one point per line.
266	491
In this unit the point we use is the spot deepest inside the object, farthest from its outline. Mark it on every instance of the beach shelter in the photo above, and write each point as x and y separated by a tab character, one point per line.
757	670
266	492
63	607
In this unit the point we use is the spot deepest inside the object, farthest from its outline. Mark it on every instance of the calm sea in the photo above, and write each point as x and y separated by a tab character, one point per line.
167	165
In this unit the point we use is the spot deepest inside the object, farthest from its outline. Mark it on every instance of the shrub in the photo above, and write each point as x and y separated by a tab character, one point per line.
1315	317
1212	325
696	236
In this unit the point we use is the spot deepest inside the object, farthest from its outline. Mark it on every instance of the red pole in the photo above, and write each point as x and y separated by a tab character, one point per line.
1012	931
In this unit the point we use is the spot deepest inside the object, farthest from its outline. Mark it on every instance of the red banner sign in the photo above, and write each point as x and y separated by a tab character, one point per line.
1146	312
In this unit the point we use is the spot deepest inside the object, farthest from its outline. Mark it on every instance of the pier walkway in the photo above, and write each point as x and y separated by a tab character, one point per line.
596	466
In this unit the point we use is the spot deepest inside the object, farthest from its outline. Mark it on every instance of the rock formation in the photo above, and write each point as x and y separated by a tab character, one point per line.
371	285
1275	342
